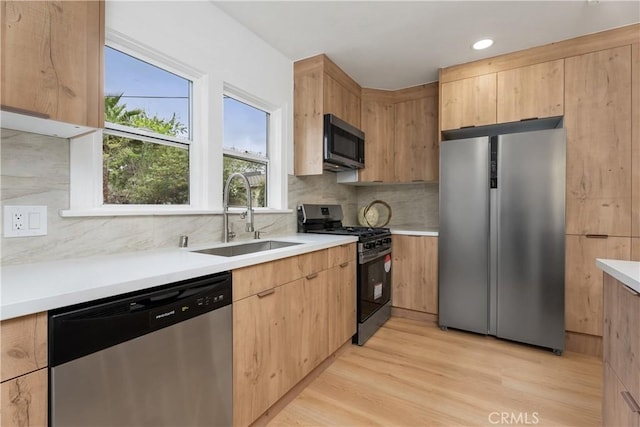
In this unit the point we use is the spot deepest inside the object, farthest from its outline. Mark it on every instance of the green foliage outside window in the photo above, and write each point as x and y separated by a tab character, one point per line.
140	172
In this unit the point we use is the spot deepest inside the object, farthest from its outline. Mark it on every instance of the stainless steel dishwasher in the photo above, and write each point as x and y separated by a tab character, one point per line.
161	357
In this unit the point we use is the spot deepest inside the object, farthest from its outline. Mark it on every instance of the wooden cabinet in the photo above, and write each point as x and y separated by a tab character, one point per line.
341	295
52	60
320	87
342	101
378	124
635	249
23	359
24	401
598	124
468	102
401	143
415	273
535	91
616	411
584	300
282	332
257	278
260	350
416	152
24	345
635	140
621	348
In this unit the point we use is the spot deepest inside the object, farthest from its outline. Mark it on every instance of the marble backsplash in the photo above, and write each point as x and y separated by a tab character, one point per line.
413	206
35	171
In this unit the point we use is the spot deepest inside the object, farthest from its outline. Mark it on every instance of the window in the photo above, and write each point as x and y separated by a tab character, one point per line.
147	135
246	147
172	133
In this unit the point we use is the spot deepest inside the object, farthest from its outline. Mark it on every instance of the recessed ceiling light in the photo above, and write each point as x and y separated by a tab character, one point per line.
482	44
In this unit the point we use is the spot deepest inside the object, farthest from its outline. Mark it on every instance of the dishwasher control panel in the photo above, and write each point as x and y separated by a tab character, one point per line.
192	306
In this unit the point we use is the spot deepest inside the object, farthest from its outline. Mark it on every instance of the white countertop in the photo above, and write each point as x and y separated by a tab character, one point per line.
627	272
400	231
32	288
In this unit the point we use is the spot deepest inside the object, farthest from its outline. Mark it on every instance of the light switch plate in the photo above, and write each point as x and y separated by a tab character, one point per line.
25	221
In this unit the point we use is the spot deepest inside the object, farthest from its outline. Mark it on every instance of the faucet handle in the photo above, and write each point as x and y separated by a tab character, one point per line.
243	215
257	233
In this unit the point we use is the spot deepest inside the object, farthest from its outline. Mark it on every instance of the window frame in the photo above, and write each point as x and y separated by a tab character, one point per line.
265	108
205	150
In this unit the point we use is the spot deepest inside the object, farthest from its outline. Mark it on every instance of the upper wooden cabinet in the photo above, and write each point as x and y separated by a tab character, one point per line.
378	124
533	91
401	143
635	141
416	150
52	60
598	124
468	102
530	92
320	87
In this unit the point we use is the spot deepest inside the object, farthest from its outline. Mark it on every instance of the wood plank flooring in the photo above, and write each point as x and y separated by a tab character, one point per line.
413	374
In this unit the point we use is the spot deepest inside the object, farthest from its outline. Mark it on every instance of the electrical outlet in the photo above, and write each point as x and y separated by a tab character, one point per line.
17	221
23	221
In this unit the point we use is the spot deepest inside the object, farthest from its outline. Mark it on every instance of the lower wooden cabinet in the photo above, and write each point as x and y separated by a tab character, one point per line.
583	280
23	400
621	399
415	273
342	304
281	334
615	404
24	396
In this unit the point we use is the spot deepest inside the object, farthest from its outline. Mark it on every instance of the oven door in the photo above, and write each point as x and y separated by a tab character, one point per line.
374	283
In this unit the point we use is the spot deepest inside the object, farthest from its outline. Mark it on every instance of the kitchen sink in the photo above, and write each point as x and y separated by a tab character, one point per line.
246	248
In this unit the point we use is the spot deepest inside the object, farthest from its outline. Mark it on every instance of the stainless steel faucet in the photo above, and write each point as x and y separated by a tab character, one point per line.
225	213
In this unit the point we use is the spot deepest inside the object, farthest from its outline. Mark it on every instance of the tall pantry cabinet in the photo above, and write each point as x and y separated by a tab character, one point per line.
593	81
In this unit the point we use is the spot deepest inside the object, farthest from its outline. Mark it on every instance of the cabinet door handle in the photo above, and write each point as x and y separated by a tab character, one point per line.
597	236
528	118
630	401
631	291
344	264
23	111
267	292
312	276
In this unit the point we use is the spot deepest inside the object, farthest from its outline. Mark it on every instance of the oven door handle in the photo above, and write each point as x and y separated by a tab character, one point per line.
368	257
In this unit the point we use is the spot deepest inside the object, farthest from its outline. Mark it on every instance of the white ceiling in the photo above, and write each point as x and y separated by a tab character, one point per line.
397	44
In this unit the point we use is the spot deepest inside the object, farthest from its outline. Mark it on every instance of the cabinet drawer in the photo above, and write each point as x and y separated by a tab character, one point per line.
24	400
617	408
622	333
24	345
257	278
341	254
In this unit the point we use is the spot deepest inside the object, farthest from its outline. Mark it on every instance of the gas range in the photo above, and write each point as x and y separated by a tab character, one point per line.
374	264
327	219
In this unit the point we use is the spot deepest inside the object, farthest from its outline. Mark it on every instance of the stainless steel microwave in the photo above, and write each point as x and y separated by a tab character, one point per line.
343	145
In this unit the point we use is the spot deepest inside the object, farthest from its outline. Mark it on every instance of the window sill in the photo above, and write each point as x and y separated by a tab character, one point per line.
71	213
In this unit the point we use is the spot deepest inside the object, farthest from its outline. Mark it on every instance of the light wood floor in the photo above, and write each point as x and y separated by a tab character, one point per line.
413	374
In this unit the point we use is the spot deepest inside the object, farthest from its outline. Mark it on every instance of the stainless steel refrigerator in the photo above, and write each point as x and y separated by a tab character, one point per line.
501	245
